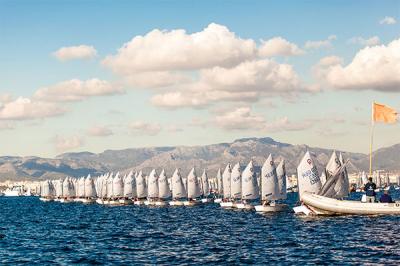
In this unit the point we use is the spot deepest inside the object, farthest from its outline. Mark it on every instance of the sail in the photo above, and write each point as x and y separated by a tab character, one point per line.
323	177
205	184
164	191
141	188
45	189
226	182
334	186
129	189
398	180
281	173
307	176
58	186
90	191
109	183
269	180
117	186
387	180
178	189
193	185
67	188
152	185
332	166
249	183
364	178
236	182
220	189
343	186
81	185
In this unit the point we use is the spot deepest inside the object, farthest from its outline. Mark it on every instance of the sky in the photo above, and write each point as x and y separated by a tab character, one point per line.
97	75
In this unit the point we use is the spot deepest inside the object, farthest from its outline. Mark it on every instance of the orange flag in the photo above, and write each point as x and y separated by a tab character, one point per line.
383	113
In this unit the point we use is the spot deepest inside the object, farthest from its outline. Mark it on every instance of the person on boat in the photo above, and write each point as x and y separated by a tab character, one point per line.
386	198
369	189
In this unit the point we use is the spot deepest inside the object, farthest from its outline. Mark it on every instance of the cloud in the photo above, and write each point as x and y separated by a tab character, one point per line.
320	44
144	128
76	90
26	109
246	82
388	21
75	52
160	50
99	131
284	124
365	42
372	68
239	119
278	47
63	144
156	79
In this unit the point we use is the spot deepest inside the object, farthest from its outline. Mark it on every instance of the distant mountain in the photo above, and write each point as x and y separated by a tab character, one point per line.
210	157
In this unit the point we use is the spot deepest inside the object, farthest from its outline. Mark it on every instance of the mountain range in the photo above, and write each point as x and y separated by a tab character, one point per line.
211	157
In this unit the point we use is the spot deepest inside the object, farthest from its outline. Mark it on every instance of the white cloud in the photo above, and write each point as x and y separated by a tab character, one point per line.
26	109
156	79
76	90
177	50
246	82
320	44
99	131
330	60
372	68
75	52
284	124
365	42
240	119
145	128
278	47
388	21
63	144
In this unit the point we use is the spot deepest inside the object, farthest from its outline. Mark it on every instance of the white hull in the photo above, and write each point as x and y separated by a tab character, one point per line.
243	206
271	208
176	203
228	204
138	202
125	201
217	200
161	203
12	193
88	201
113	202
206	200
45	199
191	203
326	206
65	200
99	201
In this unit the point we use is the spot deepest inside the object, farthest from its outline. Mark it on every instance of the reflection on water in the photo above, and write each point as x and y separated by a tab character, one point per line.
35	232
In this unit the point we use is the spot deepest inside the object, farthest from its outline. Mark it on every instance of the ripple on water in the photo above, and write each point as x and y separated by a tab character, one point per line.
35	232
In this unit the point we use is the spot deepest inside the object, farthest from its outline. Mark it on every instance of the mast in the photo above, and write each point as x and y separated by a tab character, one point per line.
372	139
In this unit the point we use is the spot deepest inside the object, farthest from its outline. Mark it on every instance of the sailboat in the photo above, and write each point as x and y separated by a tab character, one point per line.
219	189
250	190
129	189
152	188
68	190
80	191
164	191
90	191
236	184
178	189
193	189
47	191
270	187
226	187
205	187
102	189
141	188
58	187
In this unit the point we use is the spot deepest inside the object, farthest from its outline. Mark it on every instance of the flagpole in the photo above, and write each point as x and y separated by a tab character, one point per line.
371	140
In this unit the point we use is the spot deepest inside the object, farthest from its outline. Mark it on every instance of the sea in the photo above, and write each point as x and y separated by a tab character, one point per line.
48	233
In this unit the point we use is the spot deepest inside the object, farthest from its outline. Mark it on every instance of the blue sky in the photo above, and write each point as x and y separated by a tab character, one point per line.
335	114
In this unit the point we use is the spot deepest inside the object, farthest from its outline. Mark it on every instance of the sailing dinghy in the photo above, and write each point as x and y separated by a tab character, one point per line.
178	189
193	189
226	187
205	187
141	189
152	188
129	189
249	189
219	190
164	191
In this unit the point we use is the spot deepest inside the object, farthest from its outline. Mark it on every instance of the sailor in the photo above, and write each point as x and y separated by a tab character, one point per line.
369	189
386	198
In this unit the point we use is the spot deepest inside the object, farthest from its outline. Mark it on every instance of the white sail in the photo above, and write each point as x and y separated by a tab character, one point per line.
334	186
141	188
332	166
205	186
236	182
152	185
45	189
103	185
269	180
81	185
387	180
281	173
58	186
90	191
178	189
307	176
117	186
109	184
129	186
249	183
343	186
164	191
398	180
226	182
67	188
364	178
323	177
220	189
193	185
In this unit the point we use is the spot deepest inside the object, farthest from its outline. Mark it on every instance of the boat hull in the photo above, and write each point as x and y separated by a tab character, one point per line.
243	206
191	203
327	206
176	203
125	201
45	199
217	200
271	208
228	204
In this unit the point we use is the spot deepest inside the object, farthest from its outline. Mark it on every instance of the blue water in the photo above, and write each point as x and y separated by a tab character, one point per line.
35	232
